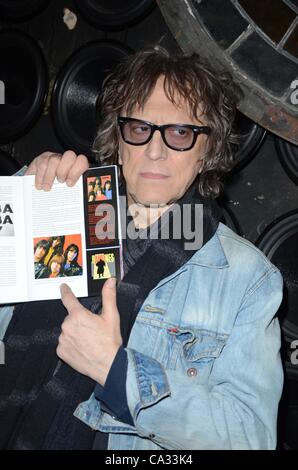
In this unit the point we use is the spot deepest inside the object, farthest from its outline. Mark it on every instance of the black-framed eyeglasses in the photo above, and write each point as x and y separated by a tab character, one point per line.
180	137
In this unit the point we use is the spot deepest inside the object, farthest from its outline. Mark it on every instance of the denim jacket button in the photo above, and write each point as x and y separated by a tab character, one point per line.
192	372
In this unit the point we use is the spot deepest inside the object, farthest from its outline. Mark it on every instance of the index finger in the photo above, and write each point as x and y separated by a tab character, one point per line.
80	165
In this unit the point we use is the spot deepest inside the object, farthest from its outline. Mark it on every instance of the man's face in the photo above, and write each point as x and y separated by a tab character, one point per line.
55	267
39	253
154	173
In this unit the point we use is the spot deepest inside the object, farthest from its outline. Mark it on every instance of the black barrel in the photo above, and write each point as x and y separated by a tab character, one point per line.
24	77
250	138
16	11
114	15
8	165
279	242
228	218
74	109
288	156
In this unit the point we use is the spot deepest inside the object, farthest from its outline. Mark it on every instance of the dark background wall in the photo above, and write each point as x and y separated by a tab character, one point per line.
58	43
256	195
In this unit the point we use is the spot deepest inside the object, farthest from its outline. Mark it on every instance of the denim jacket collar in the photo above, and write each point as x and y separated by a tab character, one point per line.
211	255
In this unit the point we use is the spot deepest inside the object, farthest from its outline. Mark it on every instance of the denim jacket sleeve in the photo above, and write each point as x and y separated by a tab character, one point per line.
238	407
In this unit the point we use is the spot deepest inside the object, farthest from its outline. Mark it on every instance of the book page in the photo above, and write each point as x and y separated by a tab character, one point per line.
13	278
55	239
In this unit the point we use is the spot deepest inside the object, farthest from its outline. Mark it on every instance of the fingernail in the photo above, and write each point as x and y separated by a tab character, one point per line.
38	186
46	187
62	288
69	182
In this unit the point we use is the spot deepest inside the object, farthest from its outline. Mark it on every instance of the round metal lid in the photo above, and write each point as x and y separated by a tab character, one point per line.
257	42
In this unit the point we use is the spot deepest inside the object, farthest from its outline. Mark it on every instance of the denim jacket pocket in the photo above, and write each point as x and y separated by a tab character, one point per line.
200	345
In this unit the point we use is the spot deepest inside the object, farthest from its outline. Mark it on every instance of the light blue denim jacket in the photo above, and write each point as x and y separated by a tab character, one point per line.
204	369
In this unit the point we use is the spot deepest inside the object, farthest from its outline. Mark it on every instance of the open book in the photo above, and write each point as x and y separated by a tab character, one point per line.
67	235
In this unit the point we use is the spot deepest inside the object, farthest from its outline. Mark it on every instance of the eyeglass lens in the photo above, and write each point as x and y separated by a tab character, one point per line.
177	136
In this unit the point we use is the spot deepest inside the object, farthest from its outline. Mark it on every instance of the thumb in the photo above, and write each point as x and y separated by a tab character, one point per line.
109	305
68	298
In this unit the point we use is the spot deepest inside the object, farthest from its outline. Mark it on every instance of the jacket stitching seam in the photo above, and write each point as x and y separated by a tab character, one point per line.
258	283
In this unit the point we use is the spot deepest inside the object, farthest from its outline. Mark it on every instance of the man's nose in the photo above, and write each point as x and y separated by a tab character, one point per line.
156	148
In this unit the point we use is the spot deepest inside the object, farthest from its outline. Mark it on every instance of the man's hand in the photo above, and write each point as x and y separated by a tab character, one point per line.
67	168
89	342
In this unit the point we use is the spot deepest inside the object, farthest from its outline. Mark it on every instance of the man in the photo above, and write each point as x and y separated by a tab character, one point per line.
55	267
185	353
40	251
71	266
100	267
